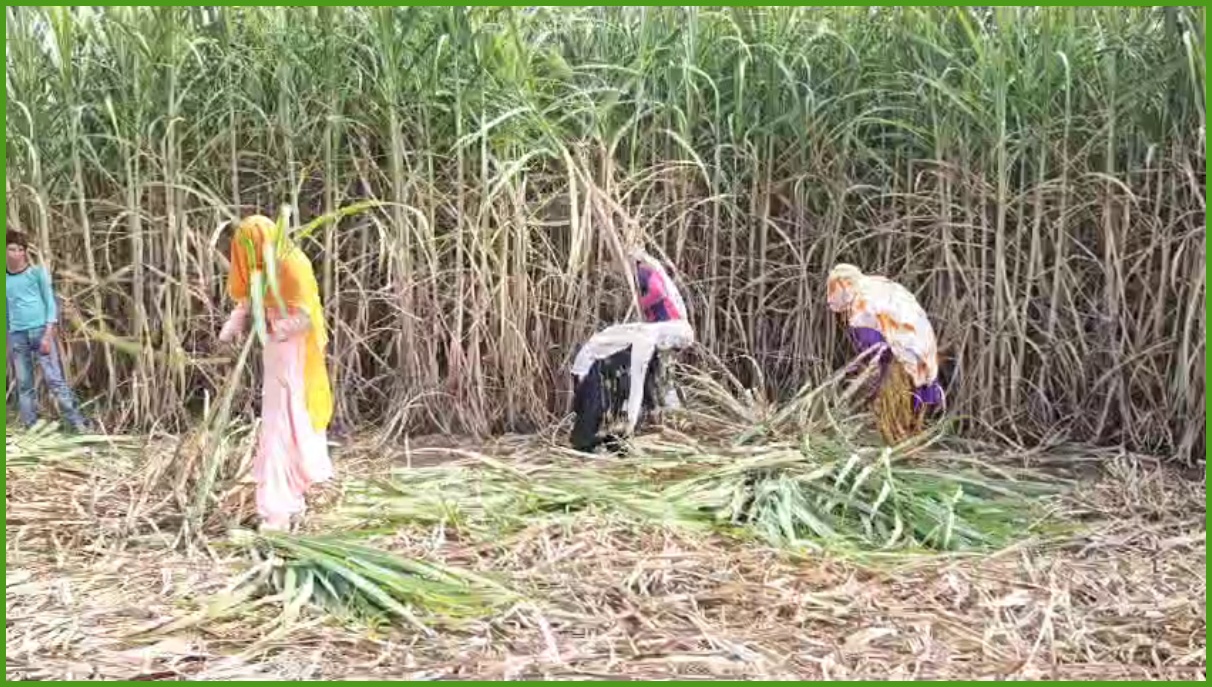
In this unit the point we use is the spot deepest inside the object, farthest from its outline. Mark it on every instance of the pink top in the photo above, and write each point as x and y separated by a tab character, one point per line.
655	301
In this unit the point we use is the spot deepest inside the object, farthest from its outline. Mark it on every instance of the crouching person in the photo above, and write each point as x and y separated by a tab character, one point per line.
621	365
881	314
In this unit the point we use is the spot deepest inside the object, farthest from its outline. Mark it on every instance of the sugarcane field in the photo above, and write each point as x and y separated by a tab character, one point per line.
590	343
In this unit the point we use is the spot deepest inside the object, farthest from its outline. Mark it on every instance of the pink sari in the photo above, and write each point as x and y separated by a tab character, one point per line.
291	453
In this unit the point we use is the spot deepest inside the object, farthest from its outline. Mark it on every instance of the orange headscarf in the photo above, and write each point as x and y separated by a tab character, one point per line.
298	289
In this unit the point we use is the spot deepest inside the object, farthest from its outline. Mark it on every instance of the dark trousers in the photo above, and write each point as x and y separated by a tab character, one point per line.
602	394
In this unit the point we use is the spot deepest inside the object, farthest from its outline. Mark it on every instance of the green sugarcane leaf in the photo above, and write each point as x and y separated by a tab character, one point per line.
256	294
348	211
271	277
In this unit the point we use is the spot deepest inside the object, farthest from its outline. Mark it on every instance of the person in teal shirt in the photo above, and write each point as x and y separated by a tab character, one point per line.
32	318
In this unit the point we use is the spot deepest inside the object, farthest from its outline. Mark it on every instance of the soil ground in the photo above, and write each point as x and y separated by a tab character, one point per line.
1126	599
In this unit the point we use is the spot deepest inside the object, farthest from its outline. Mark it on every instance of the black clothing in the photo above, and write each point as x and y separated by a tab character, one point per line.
602	394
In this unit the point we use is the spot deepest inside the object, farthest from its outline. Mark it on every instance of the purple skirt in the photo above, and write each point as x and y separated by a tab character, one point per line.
866	337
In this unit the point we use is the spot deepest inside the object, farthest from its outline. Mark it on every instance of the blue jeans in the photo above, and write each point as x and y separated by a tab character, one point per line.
25	348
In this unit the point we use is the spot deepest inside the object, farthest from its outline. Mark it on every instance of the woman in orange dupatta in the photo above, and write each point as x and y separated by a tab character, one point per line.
296	399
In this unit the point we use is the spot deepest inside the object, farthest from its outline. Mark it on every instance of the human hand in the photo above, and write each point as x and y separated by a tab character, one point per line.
228	334
235	325
286	327
44	346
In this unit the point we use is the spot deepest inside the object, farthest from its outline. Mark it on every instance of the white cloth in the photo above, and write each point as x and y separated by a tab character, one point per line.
644	338
883	305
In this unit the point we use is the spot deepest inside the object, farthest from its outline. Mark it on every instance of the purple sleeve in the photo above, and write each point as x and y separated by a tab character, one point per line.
931	394
865	337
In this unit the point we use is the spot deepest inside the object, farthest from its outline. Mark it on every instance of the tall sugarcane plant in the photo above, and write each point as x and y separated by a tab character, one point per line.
1007	164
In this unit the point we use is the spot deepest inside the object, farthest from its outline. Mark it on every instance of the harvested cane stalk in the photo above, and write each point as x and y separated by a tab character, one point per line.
893	407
